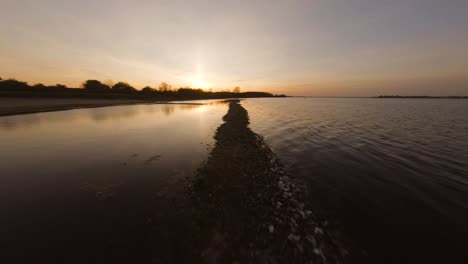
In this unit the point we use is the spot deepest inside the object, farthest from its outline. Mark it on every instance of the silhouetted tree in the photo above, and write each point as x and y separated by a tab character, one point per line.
12	84
58	86
164	87
95	85
188	93
109	83
123	87
39	86
148	90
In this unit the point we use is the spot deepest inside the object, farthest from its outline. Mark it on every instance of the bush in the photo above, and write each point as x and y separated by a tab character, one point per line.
123	87
95	85
12	84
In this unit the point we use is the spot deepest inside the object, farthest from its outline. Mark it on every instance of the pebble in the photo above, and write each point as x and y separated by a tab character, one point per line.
271	228
312	240
318	230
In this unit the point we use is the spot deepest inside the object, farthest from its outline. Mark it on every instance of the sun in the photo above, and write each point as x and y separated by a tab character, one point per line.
202	84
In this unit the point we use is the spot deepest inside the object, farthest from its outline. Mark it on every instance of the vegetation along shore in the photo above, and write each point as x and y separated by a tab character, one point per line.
17	97
119	90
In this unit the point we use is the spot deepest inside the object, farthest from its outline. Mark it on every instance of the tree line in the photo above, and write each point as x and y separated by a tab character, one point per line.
109	89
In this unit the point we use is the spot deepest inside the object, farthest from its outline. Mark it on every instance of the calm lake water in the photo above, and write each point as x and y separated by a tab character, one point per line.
102	184
393	172
90	184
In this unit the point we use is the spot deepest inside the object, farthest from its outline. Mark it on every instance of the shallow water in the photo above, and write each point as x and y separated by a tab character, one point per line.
392	172
85	182
107	184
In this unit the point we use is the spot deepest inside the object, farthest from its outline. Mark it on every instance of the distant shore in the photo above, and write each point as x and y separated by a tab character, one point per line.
421	97
94	89
17	97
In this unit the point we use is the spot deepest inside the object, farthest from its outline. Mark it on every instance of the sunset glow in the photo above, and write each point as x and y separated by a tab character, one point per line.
198	83
234	131
337	48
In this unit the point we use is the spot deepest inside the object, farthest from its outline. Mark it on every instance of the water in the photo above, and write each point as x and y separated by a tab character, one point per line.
99	184
102	184
392	172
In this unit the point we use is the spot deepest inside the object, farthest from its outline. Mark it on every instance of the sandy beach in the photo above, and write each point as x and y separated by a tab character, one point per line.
17	106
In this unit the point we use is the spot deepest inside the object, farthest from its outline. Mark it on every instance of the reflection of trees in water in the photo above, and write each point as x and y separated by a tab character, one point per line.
95	114
98	114
14	122
202	102
103	114
168	109
149	109
22	121
219	102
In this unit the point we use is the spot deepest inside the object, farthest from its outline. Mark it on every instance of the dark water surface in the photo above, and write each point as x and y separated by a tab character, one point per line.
107	185
392	172
99	185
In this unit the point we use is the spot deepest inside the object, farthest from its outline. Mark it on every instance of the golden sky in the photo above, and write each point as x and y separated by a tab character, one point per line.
315	47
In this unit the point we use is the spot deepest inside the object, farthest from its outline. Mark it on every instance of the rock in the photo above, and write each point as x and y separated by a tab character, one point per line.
243	186
318	230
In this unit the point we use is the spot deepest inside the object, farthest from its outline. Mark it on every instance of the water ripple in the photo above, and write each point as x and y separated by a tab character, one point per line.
402	163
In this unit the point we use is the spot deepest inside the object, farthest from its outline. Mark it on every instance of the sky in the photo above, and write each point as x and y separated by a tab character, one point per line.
310	48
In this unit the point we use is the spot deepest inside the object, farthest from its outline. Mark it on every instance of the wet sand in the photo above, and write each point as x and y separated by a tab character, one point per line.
17	106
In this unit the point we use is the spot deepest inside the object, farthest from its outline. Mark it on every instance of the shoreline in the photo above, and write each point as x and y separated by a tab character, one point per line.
22	106
247	209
